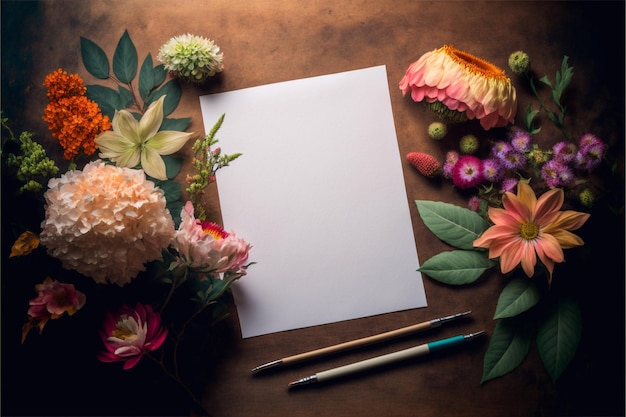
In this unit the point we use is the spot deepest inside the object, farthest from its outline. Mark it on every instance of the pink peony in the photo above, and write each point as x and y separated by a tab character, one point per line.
53	300
130	333
463	83
106	222
207	248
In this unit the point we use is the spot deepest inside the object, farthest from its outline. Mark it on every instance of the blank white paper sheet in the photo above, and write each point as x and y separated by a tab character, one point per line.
319	193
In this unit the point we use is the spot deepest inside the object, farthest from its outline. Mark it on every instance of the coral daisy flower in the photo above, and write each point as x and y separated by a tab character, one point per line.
527	228
463	83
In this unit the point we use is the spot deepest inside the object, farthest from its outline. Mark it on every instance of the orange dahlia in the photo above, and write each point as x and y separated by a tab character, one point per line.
463	83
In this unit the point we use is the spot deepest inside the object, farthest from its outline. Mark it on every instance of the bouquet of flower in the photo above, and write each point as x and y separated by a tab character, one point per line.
516	191
116	217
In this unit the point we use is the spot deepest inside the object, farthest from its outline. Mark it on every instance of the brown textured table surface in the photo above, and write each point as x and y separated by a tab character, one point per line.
271	41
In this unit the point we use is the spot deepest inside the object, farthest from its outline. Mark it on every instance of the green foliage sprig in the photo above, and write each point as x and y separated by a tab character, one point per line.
557	327
207	162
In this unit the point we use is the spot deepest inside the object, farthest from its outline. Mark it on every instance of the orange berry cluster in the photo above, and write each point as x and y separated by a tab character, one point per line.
73	119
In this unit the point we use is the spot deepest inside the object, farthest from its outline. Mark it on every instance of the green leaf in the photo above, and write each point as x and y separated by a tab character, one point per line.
172	91
518	296
529	116
125	59
171	190
457	267
559	335
94	59
158	73
176	124
457	226
126	97
507	348
173	165
146	78
107	98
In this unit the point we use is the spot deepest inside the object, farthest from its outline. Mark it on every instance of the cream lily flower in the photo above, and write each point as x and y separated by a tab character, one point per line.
132	143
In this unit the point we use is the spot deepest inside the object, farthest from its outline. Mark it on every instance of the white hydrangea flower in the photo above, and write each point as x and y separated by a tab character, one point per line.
192	58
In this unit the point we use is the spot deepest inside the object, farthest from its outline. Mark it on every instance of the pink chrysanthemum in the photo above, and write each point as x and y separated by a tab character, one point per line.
207	248
467	172
463	83
106	222
528	228
130	333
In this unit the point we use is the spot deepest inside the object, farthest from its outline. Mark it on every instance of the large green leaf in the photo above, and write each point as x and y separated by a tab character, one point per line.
457	226
175	124
125	59
107	98
146	78
94	59
126	97
507	349
559	335
457	267
172	91
518	296
173	165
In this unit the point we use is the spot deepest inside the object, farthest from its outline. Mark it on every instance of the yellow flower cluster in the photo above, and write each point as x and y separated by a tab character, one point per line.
73	119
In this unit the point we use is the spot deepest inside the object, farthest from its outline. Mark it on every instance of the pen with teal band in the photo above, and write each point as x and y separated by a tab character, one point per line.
390	358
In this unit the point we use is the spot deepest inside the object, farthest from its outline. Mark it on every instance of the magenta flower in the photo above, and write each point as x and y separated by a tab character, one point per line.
130	333
590	153
467	172
53	300
564	151
207	248
555	173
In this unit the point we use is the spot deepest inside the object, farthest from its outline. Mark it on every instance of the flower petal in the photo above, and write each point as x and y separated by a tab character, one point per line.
153	164
125	125
167	142
151	120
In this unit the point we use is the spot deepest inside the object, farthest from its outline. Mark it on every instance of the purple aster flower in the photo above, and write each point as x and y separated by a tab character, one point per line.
550	172
451	159
590	153
566	175
521	140
492	169
509	184
467	172
500	149
564	151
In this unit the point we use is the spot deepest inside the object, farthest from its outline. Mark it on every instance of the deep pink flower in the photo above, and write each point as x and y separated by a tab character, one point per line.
207	248
53	299
130	333
467	172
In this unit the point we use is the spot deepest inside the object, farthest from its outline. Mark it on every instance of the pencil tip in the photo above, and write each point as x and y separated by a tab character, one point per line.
304	381
267	366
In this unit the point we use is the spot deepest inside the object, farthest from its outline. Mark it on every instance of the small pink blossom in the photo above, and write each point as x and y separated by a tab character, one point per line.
207	248
53	300
467	172
130	333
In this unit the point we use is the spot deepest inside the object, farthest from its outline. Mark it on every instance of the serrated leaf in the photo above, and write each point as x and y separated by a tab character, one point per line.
559	335
518	296
507	348
457	226
125	59
107	99
172	91
146	78
179	125
94	59
457	267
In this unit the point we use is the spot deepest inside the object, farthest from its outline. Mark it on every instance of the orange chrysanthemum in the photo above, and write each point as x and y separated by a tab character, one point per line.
463	83
73	119
528	228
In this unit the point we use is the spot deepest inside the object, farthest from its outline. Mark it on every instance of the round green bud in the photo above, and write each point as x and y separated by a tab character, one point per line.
519	62
586	198
469	144
437	130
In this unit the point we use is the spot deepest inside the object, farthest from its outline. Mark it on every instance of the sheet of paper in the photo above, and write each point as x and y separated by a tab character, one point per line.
320	195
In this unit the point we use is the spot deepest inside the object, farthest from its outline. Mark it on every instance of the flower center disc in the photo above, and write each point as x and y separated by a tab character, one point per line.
529	231
473	63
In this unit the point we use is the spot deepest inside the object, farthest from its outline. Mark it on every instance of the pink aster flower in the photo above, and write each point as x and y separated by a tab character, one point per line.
451	159
564	151
106	222
53	300
527	228
130	333
207	248
467	172
463	83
